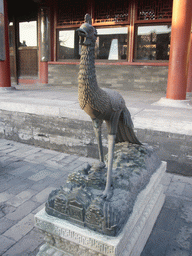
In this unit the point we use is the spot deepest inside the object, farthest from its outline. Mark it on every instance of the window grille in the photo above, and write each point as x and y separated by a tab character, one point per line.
111	11
71	12
154	9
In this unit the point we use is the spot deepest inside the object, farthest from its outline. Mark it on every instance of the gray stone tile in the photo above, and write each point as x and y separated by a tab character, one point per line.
16	180
17	164
37	167
9	150
22	169
26	245
3	141
175	188
186	211
38	209
5	147
166	220
6	160
20	187
59	157
27	174
4	196
20	229
49	151
69	159
183	237
73	165
5	224
22	210
183	179
42	184
43	195
56	174
88	160
53	163
157	244
173	202
29	152
177	251
21	197
5	208
44	158
22	151
40	175
1	214
33	155
5	244
187	192
39	157
4	186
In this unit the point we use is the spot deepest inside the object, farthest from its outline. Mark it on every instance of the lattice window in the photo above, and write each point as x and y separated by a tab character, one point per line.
154	9
111	11
71	12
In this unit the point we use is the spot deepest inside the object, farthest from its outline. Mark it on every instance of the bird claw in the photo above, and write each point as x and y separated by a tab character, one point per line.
98	166
102	164
107	194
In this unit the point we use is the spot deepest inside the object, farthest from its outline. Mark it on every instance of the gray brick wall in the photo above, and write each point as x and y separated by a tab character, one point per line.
142	78
58	133
77	137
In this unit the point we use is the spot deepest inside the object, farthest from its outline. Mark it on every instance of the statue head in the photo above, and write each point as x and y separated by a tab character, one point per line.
87	32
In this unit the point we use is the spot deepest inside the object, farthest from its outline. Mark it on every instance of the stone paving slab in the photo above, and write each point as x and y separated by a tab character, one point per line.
22	196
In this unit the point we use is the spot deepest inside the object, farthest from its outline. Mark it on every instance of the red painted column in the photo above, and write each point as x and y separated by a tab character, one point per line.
189	79
5	79
131	32
43	72
179	51
44	46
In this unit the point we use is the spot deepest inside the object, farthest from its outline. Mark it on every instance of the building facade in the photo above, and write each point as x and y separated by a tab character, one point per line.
137	33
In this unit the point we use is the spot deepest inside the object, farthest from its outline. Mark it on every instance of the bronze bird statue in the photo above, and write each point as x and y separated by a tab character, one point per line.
101	104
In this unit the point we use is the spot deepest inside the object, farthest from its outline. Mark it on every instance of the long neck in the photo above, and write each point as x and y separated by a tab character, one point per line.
87	75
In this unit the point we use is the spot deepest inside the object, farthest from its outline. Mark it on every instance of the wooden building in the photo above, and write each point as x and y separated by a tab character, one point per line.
42	33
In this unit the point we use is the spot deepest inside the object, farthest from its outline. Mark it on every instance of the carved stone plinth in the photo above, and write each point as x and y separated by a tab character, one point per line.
64	238
81	201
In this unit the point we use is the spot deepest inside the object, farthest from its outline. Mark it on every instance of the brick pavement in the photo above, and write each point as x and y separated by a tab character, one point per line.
28	174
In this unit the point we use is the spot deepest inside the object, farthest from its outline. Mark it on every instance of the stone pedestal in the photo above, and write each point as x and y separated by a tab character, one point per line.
64	238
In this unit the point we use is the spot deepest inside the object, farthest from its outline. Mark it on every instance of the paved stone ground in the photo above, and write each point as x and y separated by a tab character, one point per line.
28	174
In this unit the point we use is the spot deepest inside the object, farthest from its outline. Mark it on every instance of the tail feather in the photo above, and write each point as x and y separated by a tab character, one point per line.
119	137
125	130
122	132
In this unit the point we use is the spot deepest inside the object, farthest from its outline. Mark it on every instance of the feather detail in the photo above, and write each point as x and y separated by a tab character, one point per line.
127	118
125	130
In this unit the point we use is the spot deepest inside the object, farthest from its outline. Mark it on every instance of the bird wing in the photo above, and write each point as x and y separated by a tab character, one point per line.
117	101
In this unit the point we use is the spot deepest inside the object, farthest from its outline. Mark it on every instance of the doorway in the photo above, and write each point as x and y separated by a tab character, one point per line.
28	50
23	39
23	45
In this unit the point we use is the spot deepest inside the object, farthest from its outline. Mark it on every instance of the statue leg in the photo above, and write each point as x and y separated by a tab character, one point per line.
97	128
107	193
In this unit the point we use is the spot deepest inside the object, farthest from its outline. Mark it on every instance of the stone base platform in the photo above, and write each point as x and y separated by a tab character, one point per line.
64	238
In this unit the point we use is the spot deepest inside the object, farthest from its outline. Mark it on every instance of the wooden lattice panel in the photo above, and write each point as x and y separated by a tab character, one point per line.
71	12
154	9
111	11
28	61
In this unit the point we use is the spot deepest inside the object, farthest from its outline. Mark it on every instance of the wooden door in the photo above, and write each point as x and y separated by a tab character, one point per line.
28	50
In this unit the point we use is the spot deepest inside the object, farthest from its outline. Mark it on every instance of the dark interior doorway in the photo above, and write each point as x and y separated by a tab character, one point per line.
23	39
